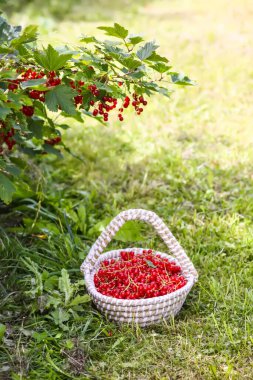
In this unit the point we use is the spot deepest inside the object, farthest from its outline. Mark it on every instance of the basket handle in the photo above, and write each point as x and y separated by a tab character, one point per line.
146	216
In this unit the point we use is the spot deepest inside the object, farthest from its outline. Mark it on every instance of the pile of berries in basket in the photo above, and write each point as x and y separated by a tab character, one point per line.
136	276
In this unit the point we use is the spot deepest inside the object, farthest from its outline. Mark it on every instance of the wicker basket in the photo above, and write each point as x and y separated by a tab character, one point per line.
142	311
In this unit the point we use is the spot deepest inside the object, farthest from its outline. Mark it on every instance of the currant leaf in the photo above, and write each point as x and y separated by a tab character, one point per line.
181	79
29	34
161	67
51	59
145	51
134	40
7	189
61	96
116	31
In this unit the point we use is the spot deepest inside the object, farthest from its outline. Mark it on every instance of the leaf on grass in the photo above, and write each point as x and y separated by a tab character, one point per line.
131	231
145	51
51	59
116	31
7	189
59	316
61	96
40	337
117	343
78	300
2	331
99	227
65	285
81	211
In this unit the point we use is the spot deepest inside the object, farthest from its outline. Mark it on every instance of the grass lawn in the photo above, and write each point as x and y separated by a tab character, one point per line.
189	159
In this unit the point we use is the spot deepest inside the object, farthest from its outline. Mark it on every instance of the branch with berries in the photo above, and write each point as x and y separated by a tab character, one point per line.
97	79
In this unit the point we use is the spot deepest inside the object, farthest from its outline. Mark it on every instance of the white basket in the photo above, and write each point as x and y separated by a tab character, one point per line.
144	311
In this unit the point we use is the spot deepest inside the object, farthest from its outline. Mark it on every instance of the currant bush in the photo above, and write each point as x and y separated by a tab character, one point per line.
99	79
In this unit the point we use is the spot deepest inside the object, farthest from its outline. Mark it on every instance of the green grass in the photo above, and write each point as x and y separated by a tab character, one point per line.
190	160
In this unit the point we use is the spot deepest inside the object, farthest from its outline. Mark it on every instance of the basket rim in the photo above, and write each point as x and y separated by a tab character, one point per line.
89	280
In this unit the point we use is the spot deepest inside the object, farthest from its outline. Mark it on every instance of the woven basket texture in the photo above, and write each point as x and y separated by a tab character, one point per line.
145	311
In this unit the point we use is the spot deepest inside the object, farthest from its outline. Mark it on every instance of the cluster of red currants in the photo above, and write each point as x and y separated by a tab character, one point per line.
6	136
136	276
102	105
78	99
136	102
53	141
29	74
107	104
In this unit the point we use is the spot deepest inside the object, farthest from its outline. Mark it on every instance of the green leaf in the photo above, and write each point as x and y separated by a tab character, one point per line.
134	40
35	125
154	57
2	331
12	169
52	150
181	79
145	51
99	227
62	96
19	162
50	59
81	211
29	34
7	189
59	316
6	50
161	67
62	126
88	39
115	31
4	111
8	74
51	283
19	98
3	96
130	63
32	83
131	231
78	300
138	74
40	337
65	285
8	32
24	52
86	72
